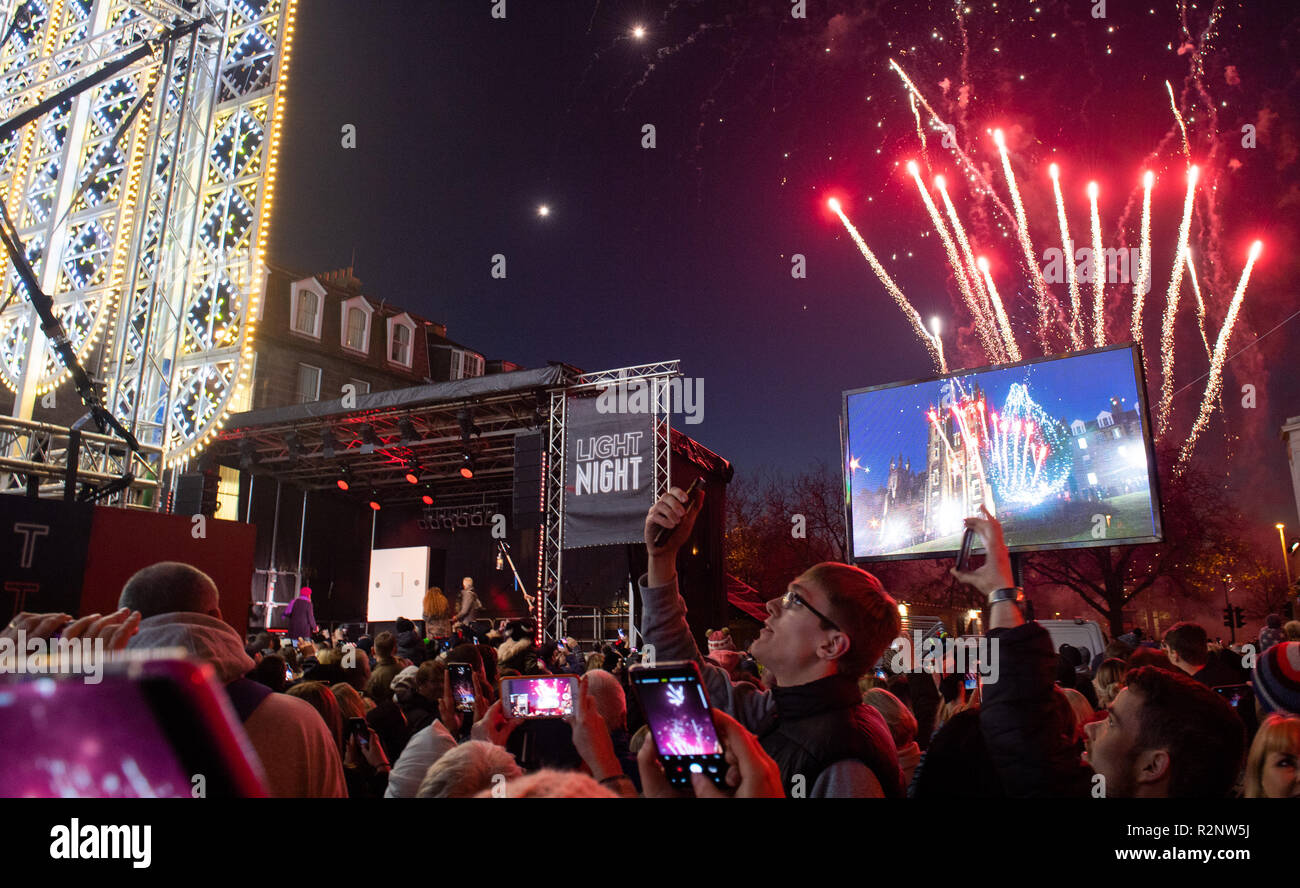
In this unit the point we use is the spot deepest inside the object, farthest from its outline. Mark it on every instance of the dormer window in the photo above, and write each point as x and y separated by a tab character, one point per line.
401	336
306	298
356	324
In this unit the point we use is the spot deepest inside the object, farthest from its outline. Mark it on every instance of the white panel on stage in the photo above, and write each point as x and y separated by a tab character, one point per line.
397	581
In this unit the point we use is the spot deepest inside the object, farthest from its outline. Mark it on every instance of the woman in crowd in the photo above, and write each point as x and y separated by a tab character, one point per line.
1273	764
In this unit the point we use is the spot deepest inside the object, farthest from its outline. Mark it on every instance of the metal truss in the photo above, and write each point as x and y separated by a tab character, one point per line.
551	617
41	451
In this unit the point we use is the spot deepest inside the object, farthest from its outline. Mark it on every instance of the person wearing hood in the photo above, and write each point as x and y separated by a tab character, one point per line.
301	616
409	643
179	606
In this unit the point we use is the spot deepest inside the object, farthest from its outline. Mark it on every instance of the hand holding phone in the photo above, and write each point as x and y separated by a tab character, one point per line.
677	710
673	509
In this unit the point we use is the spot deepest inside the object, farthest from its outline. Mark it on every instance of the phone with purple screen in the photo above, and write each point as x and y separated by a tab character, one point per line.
538	696
677	711
143	730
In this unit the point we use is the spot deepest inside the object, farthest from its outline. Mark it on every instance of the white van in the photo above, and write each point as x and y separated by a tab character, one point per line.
1086	635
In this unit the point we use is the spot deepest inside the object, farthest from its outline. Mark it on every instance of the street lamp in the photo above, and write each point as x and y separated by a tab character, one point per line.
1286	562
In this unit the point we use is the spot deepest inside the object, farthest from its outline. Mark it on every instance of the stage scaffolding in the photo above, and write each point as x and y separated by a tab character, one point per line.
550	623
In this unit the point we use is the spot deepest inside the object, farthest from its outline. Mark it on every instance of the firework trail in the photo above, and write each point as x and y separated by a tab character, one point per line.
1022	233
1200	304
1144	264
920	130
1013	350
1099	272
1171	307
1214	383
908	311
951	249
1067	248
1173	103
987	326
963	158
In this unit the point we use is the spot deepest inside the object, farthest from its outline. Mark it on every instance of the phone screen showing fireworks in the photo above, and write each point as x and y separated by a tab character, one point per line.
462	686
1057	449
542	696
677	711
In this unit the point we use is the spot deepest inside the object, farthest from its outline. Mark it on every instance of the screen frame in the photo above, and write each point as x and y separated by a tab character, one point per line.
1148	443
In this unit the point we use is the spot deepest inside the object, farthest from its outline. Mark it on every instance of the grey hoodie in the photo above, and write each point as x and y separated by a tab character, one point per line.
297	751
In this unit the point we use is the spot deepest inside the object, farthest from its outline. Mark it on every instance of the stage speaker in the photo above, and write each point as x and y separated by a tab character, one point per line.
528	480
196	493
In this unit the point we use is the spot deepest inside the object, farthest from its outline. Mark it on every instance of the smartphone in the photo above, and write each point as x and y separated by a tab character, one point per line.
288	673
538	696
676	708
145	729
1234	694
967	543
461	676
665	532
358	728
971	681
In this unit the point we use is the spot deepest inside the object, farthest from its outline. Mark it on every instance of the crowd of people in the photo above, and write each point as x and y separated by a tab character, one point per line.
812	708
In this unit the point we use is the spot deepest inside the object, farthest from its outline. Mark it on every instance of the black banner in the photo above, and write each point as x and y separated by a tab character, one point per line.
609	472
43	547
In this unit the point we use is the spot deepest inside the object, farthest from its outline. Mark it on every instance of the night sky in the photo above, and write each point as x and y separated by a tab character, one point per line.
467	124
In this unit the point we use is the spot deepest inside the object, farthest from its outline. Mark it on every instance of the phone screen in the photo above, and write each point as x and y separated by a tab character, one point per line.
461	676
1234	694
127	736
677	711
545	696
360	730
971	681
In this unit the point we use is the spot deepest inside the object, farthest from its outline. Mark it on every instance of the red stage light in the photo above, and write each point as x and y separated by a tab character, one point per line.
428	500
374	504
466	472
412	478
343	485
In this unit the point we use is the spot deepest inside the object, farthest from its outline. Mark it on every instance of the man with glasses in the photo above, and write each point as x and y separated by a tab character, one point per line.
825	633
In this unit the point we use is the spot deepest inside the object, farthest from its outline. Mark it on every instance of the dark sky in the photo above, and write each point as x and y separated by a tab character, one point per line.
466	124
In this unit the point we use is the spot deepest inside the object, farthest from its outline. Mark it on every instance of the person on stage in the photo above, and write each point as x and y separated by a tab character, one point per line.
437	615
301	616
468	610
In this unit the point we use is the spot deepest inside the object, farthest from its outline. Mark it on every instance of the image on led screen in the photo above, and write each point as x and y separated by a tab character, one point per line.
1056	449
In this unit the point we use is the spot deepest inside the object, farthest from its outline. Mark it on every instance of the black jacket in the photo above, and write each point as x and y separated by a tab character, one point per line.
1022	726
824	722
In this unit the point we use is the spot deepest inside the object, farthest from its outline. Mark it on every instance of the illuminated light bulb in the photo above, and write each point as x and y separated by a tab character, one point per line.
1054	171
999	140
939	182
638	32
1148	179
1092	190
543	210
1255	249
982	263
912	167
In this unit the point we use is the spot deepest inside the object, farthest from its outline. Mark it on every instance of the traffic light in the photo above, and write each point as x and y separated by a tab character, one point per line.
1240	617
1227	617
